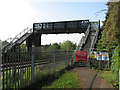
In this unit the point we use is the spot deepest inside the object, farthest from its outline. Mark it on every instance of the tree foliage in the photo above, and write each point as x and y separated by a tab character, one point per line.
110	37
110	34
23	46
68	45
54	46
4	43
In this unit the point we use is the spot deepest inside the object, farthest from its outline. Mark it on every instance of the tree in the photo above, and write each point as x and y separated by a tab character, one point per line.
110	38
54	46
4	43
68	45
23	46
110	33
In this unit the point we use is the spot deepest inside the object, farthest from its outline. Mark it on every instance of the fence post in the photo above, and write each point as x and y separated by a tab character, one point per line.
88	63
73	58
65	58
68	57
0	63
54	61
108	64
32	65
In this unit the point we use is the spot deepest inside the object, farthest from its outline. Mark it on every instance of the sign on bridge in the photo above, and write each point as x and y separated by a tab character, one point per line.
81	56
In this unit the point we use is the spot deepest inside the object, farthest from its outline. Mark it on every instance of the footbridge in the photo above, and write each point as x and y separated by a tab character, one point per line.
21	68
33	36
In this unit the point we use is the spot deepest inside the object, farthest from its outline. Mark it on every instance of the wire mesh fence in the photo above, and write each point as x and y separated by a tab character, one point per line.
21	68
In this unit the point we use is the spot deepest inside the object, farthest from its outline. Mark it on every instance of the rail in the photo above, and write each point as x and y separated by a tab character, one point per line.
95	38
17	37
83	39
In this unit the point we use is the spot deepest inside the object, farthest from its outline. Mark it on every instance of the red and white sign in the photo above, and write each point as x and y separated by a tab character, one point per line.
81	56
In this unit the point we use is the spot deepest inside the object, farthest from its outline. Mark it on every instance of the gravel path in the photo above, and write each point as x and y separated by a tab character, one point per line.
90	79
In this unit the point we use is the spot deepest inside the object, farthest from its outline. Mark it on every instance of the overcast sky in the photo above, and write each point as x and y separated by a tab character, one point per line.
16	15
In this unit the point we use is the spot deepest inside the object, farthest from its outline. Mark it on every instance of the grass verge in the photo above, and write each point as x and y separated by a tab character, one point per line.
67	80
109	77
61	79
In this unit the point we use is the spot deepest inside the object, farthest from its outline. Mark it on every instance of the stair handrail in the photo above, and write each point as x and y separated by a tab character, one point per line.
83	39
95	38
87	33
80	44
26	30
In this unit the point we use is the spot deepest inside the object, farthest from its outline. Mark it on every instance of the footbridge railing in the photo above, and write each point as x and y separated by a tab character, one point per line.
17	38
83	39
95	38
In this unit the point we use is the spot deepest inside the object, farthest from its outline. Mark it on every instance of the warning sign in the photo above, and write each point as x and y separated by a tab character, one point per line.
102	56
105	56
93	54
99	57
81	56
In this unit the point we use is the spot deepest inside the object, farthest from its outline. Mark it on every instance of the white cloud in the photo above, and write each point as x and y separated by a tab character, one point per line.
15	15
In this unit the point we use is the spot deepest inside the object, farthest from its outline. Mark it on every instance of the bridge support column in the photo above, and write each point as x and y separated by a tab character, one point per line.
29	43
37	40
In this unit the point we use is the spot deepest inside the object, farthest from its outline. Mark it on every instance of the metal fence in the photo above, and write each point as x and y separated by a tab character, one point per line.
0	60
21	68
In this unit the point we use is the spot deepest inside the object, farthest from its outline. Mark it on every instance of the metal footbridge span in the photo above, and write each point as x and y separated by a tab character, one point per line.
32	36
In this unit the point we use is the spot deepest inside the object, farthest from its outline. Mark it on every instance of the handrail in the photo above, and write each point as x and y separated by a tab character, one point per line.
80	43
25	31
95	38
83	39
87	33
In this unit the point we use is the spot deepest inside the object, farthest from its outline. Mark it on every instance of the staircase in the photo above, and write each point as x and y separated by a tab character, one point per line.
88	41
18	39
87	45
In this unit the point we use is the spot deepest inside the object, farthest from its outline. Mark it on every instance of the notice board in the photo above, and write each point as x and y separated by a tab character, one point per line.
81	56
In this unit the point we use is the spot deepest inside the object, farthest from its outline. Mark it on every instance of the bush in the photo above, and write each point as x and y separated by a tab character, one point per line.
115	65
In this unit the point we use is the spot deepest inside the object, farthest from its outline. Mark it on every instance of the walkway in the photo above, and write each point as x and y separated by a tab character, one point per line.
90	79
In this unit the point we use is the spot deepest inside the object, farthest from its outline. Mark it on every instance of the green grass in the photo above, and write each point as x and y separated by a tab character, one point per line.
109	77
24	80
67	80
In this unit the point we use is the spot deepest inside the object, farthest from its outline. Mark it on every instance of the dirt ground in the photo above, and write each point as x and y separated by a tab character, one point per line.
90	79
